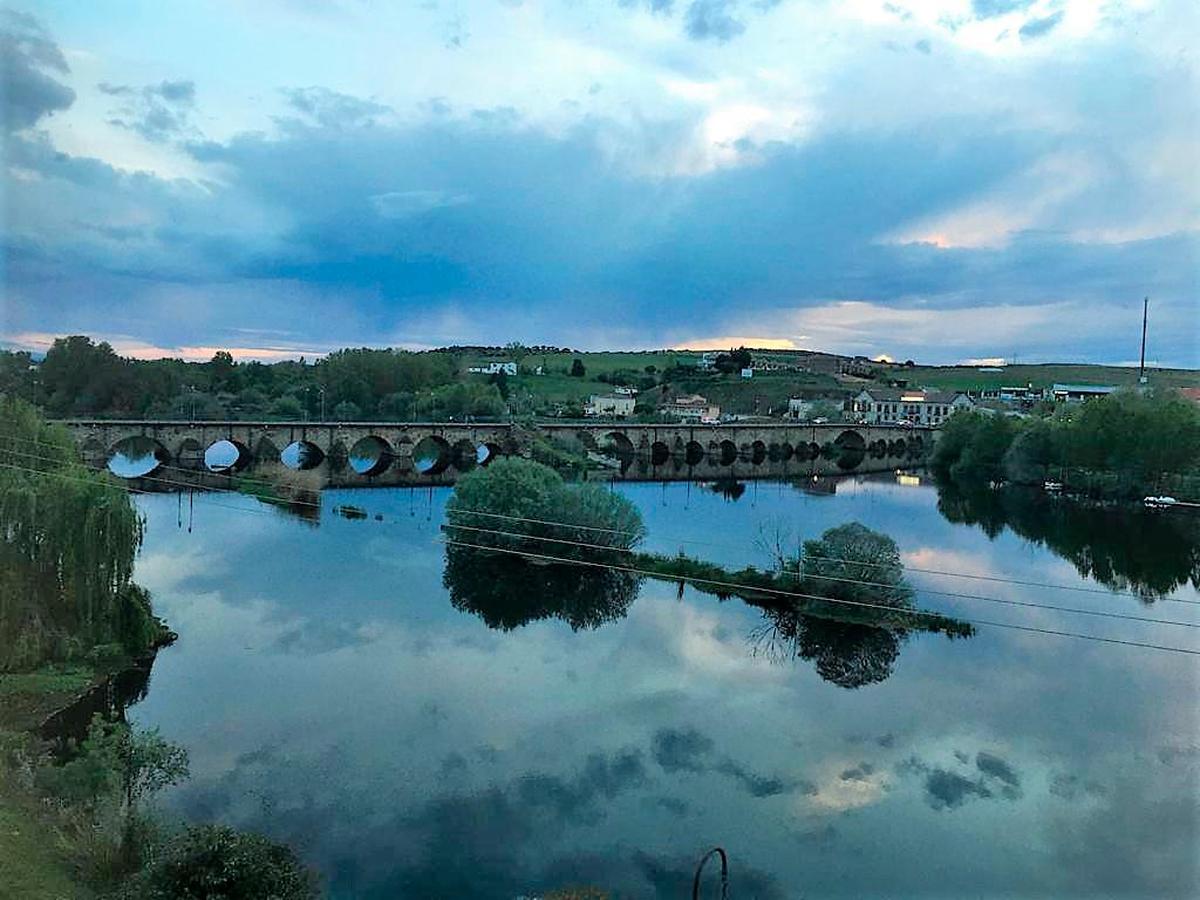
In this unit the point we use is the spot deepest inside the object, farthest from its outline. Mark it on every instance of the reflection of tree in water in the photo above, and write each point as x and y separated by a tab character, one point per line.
507	591
846	654
729	488
1134	549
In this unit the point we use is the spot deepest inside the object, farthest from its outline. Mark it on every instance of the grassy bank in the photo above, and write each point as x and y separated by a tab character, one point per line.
804	596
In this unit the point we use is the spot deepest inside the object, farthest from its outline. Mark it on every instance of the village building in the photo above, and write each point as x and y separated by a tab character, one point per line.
886	406
1077	393
494	368
618	406
692	408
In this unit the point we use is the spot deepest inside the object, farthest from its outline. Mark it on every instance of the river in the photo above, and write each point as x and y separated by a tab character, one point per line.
331	695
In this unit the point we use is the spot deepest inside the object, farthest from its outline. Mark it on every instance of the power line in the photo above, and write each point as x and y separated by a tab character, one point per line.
878	584
735	587
600	529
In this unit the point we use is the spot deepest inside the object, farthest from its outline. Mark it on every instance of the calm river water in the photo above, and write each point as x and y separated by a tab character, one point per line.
331	695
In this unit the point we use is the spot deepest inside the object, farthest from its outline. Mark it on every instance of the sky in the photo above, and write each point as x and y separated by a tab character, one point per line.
947	180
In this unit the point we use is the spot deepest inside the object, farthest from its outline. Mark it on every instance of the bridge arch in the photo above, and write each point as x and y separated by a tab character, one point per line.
370	455
431	455
618	443
693	453
727	452
301	456
659	453
227	455
464	455
136	456
758	453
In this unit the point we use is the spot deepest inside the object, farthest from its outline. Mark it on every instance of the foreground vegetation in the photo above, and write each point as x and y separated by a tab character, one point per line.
77	823
1123	446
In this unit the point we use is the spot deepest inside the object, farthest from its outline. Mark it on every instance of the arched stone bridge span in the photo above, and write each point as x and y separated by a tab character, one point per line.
394	453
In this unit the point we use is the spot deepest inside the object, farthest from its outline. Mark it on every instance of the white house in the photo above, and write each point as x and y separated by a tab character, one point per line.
1074	393
884	406
494	368
692	408
616	405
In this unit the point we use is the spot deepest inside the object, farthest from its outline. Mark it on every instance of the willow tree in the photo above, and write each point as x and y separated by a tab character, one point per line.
68	538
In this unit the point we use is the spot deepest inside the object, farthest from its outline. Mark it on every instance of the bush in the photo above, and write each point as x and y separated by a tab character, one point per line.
212	861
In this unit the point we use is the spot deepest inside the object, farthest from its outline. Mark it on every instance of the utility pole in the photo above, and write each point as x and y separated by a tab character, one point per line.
1142	367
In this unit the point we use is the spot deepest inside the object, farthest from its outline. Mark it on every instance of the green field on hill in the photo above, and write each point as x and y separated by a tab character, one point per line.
964	378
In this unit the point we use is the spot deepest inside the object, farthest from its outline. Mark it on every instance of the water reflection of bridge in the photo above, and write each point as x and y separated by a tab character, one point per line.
349	454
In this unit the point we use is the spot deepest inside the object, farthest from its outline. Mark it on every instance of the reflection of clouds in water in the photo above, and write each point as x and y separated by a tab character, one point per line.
688	750
459	843
385	812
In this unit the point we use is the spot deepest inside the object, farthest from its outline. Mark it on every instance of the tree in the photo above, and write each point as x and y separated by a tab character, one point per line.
67	546
287	408
852	562
734	361
500	380
577	368
211	861
347	411
118	761
221	368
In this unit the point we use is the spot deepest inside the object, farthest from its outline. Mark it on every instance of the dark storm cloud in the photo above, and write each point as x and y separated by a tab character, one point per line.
1036	28
481	216
30	62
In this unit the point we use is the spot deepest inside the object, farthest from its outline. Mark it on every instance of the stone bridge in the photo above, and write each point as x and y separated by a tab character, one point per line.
406	453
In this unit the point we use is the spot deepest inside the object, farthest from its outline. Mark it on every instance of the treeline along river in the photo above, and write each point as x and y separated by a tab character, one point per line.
417	732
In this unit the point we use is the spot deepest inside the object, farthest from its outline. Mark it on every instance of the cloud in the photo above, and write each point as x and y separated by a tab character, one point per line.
786	202
403	204
681	750
689	750
1036	28
993	766
658	7
990	9
332	109
713	20
575	799
30	60
158	112
948	790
